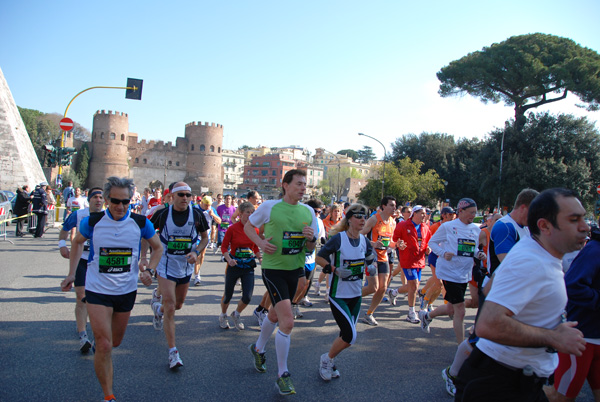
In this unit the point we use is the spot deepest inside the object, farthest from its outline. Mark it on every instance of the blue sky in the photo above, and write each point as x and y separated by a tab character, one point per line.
276	73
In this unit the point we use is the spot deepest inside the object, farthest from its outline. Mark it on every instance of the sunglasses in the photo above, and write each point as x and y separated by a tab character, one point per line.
359	216
189	195
117	201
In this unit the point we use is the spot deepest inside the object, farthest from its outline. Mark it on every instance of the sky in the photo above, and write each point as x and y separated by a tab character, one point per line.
275	73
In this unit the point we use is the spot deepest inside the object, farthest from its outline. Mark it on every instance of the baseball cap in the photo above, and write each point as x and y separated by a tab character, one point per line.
447	210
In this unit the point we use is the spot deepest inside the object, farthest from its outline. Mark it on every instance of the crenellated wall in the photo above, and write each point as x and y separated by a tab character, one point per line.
195	158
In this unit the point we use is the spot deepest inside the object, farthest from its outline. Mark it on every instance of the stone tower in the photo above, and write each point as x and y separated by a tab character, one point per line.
19	164
204	159
109	156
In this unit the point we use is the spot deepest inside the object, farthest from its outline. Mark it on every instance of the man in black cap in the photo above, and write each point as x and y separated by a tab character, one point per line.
40	208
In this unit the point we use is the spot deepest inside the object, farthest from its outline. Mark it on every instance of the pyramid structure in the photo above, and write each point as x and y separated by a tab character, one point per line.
19	164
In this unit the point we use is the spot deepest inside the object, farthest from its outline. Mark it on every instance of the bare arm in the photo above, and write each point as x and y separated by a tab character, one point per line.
263	244
64	250
77	249
497	324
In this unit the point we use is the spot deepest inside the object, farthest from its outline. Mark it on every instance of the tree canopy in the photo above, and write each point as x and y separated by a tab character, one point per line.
349	152
526	71
548	151
334	183
405	181
365	155
43	129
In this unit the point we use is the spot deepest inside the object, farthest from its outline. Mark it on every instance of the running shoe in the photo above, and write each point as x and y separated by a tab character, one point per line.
369	319
198	281
412	318
237	321
335	373
326	367
155	297
421	301
296	311
223	322
306	302
263	317
259	318
449	381
174	360
392	297
84	344
259	359
429	308
284	384
157	319
425	321
317	286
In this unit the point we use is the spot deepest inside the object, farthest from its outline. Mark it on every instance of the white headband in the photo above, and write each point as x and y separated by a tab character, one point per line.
181	188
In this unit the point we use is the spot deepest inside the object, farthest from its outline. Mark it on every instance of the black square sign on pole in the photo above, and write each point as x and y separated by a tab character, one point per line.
136	93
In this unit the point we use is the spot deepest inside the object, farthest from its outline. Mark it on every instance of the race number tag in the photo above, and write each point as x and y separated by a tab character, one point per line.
292	243
466	248
385	240
114	260
357	267
86	245
225	222
179	245
244	253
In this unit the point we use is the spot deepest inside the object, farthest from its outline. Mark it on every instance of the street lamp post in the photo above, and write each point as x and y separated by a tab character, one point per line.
384	155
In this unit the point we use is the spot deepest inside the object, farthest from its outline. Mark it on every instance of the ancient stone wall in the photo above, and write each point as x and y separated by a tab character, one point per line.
19	164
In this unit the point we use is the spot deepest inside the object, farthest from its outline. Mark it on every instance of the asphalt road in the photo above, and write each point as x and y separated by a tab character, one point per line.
394	361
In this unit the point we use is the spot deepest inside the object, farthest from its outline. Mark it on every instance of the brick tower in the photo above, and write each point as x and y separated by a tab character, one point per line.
204	159
109	156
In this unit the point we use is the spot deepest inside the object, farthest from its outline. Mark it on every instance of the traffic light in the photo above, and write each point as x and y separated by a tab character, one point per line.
134	89
52	155
65	155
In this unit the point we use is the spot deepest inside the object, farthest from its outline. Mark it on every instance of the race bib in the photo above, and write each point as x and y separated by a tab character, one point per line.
244	253
385	240
357	267
292	243
86	245
466	248
179	245
114	260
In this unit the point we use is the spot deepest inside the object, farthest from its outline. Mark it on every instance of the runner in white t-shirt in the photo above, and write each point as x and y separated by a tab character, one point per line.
522	323
456	243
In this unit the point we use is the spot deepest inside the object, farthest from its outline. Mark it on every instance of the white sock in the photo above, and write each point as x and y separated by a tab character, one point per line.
411	309
462	353
224	315
173	349
265	333
282	347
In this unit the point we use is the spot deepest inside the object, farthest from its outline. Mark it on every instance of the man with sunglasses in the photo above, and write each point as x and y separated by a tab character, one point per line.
111	280
179	226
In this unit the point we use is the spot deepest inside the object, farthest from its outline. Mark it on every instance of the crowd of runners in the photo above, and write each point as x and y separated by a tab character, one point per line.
513	266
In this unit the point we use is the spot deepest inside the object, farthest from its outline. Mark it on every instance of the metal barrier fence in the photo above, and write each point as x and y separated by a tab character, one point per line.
3	222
